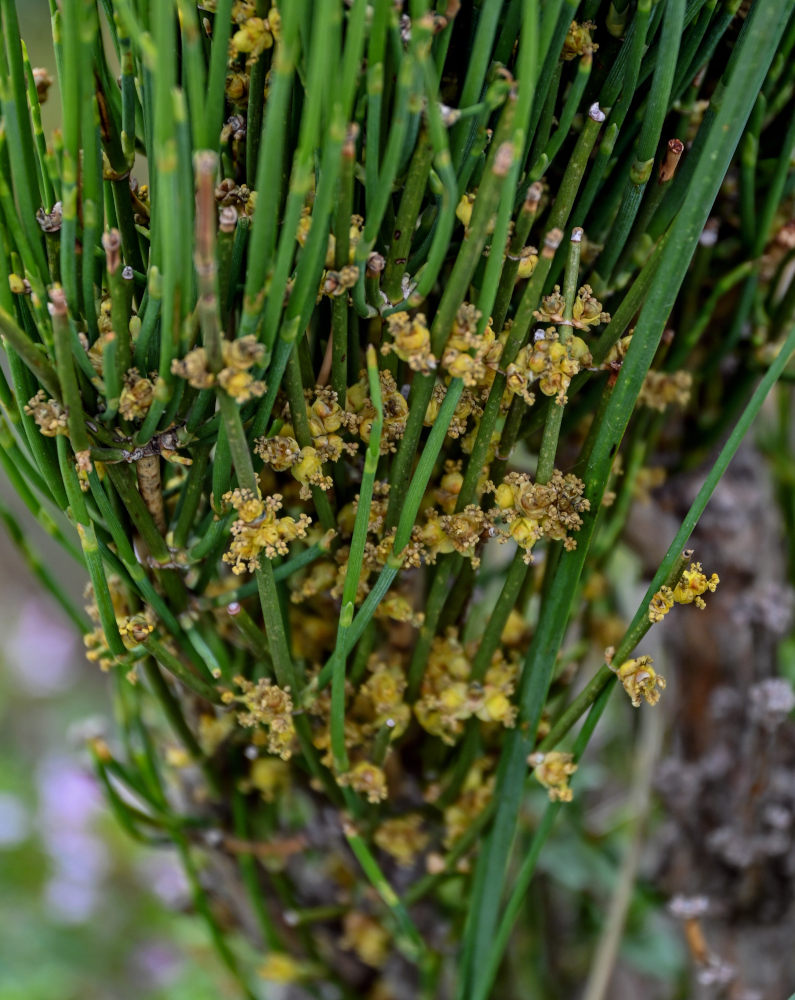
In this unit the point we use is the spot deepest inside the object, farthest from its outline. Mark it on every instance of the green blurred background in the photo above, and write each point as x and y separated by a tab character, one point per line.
84	913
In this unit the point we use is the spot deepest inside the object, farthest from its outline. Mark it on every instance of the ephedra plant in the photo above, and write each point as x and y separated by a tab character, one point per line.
339	339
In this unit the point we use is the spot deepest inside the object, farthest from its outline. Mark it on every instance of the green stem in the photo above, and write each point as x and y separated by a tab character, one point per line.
354	569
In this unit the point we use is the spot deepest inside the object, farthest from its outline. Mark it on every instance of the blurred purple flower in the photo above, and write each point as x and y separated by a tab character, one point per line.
68	795
71	901
41	651
164	875
69	801
156	964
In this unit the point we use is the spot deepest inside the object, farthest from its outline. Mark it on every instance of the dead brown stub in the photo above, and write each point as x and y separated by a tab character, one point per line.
672	156
111	243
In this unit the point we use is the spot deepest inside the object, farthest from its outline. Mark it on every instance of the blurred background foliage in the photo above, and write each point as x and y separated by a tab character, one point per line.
85	914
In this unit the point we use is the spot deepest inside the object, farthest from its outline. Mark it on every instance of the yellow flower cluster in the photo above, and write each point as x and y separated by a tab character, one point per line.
366	937
237	196
18	285
586	313
236	88
661	389
235	377
403	838
397	608
395	407
280	452
355	233
471	357
411	341
270	776
692	584
281	967
375	704
446	493
448	696
528	258
336	283
465	207
254	34
638	678
442	534
49	415
367	779
326	417
136	396
549	361
134	629
532	511
466	407
476	793
553	771
578	40
258	530
263	703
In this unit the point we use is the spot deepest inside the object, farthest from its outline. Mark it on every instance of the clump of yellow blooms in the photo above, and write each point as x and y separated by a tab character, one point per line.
334	282
134	628
411	341
528	258
379	701
692	584
235	378
270	776
465	207
472	357
366	937
662	389
403	838
281	967
136	396
476	793
578	40
263	703
308	470
586	311
18	285
326	418
553	770
638	678
549	361
531	510
280	452
252	38
461	532
397	608
449	696
240	197
258	530
396	410
467	408
49	415
254	35
367	779
661	604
